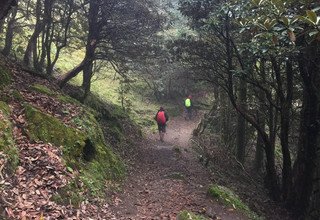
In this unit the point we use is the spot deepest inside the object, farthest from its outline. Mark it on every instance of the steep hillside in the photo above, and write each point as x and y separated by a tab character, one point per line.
57	156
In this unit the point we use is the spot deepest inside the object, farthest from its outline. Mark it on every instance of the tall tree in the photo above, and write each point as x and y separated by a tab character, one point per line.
5	6
117	31
9	33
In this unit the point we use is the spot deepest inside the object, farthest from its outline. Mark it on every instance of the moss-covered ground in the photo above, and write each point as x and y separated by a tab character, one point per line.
7	143
229	198
83	145
5	77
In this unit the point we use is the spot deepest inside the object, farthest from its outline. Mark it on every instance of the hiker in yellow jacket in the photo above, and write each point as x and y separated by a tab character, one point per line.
188	107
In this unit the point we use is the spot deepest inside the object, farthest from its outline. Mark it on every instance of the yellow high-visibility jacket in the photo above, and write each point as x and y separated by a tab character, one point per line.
187	102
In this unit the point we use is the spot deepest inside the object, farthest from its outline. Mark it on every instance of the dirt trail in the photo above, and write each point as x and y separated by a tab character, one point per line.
166	179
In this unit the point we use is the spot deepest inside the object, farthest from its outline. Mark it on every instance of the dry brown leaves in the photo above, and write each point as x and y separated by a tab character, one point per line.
40	174
63	111
41	171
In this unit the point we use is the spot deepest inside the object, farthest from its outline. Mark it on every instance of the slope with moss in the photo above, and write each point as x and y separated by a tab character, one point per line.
229	198
8	149
82	141
46	134
5	77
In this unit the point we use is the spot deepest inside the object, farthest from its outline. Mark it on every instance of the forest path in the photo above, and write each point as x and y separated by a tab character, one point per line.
167	178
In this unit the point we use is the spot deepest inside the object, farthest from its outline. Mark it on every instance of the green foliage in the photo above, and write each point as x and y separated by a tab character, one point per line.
229	198
5	77
186	215
7	144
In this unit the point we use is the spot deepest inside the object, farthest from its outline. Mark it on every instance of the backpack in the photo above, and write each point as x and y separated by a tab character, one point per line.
161	118
187	103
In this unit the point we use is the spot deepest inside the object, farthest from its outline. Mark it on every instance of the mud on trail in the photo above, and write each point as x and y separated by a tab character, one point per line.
166	178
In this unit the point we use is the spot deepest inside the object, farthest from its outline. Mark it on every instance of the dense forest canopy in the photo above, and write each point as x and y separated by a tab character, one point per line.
258	59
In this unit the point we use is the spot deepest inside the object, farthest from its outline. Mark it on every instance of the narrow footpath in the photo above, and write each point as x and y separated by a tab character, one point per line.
166	178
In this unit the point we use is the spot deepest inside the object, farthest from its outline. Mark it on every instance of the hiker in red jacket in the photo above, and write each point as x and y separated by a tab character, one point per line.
161	118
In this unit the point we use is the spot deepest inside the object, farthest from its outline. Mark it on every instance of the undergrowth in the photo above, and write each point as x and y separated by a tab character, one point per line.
229	198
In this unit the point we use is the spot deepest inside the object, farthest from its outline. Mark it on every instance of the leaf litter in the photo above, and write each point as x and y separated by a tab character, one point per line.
41	172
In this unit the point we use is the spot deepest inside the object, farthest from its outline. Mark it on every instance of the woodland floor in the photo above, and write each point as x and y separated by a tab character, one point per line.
167	178
163	178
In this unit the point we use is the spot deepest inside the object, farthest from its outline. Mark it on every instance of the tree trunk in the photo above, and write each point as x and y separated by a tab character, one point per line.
1	25
39	63
5	6
285	109
271	178
86	64
259	146
314	209
46	35
9	34
87	75
286	105
42	46
31	49
241	125
306	168
59	45
50	64
93	36
261	120
226	121
72	73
